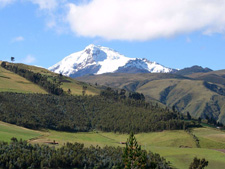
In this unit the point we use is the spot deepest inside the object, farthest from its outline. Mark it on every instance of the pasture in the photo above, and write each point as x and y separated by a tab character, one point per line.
7	131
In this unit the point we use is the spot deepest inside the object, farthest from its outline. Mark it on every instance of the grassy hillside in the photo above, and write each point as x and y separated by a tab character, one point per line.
172	90
182	157
130	82
7	131
158	139
167	143
210	138
186	95
11	81
213	76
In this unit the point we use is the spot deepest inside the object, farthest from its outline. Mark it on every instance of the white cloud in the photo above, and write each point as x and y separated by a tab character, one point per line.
18	39
146	19
3	3
46	4
29	59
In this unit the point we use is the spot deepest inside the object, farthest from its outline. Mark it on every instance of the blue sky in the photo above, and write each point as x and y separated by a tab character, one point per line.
174	33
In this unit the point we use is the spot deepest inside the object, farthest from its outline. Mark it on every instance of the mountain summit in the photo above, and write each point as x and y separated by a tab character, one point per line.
98	60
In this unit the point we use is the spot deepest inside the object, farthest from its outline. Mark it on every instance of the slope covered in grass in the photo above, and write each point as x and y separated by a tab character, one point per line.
75	87
158	139
210	138
7	131
182	157
12	82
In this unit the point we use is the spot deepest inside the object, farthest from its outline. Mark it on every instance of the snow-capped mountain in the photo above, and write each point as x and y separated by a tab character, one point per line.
98	60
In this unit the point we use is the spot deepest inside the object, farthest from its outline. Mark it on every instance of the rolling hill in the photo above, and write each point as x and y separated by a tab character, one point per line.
200	97
212	76
12	82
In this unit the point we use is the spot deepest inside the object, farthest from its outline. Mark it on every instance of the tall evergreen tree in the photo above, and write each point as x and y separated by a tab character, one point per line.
133	156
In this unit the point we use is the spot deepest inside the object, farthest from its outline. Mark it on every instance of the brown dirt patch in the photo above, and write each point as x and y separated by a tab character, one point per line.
221	150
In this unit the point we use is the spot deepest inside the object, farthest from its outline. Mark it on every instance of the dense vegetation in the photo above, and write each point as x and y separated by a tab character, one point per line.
198	163
20	154
50	85
86	113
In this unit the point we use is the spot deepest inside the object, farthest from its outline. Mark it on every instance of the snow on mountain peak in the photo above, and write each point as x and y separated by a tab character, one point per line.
98	60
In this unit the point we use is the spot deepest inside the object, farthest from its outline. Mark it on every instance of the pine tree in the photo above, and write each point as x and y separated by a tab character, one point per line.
133	156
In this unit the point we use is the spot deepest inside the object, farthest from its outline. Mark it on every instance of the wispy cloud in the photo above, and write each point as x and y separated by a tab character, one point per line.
29	59
146	19
46	4
18	39
3	3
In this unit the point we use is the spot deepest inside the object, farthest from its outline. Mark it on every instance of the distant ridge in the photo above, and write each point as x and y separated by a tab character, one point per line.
193	69
98	60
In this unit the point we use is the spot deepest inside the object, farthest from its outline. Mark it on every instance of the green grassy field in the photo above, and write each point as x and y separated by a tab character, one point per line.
166	138
210	138
168	144
182	157
7	131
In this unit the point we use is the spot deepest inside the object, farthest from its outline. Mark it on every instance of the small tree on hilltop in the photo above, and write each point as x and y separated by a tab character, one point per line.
12	59
133	156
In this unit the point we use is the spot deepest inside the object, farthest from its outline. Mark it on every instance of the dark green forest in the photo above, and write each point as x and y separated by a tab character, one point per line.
86	113
20	154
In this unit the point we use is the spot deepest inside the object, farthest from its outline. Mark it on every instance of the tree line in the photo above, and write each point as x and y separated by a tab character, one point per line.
20	154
